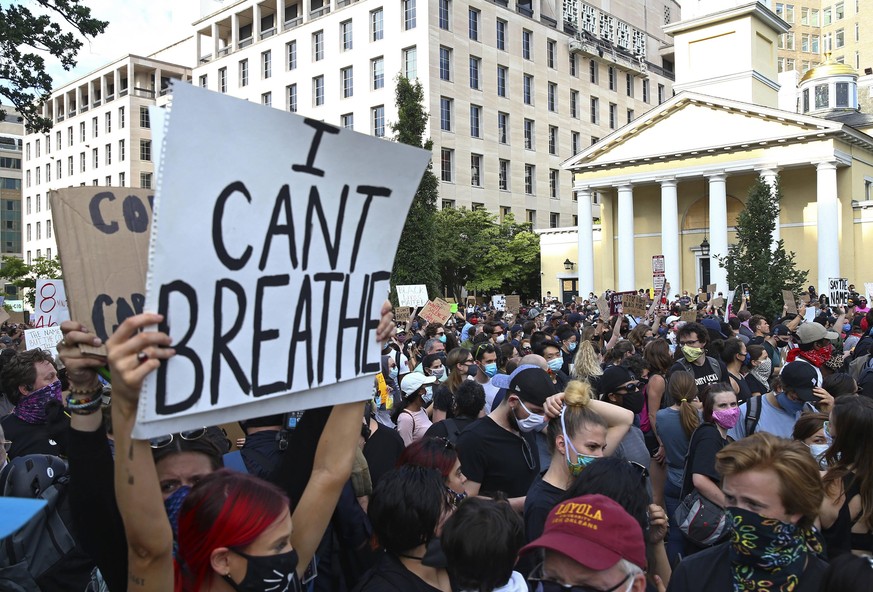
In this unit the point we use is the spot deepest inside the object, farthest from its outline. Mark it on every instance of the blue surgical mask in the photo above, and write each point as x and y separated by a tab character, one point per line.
793	407
572	346
556	364
582	460
847	327
442	338
490	370
748	359
392	374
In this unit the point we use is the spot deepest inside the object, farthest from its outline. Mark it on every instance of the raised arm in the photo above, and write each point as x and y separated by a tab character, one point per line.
149	536
618	419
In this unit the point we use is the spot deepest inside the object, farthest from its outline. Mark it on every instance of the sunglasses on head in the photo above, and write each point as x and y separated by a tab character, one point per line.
190	436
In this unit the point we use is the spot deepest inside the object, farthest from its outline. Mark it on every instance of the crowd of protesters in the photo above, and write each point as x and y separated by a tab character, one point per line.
546	449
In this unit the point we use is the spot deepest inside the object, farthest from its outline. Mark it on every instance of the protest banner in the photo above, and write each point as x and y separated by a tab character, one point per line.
603	307
730	304
402	314
513	303
868	290
789	301
103	239
839	291
293	261
658	266
454	307
689	316
50	304
717	303
633	305
414	295
615	301
804	298
436	311
45	338
712	289
15	305
471	301
498	301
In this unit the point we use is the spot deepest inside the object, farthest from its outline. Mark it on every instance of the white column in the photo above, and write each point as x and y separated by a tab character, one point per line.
770	176
718	236
828	224
670	233
625	226
214	41
586	242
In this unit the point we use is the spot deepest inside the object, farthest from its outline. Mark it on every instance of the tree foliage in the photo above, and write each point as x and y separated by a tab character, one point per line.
24	81
477	252
415	262
24	276
752	261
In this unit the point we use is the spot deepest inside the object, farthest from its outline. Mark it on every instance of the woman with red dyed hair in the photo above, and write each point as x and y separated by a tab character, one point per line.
439	454
235	531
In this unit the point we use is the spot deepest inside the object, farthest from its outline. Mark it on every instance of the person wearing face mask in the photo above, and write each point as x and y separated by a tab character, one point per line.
777	412
814	344
569	340
619	386
550	350
485	355
410	416
772	492
499	452
692	339
735	356
760	367
809	429
586	430
432	365
720	414
37	424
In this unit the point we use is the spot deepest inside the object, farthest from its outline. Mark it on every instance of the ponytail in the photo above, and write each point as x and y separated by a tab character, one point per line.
683	390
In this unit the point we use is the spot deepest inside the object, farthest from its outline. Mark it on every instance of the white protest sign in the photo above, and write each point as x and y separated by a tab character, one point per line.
46	339
868	290
278	310
413	295
498	302
15	305
50	308
839	291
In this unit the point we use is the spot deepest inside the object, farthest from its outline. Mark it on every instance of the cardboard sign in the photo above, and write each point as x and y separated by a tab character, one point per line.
50	308
103	239
46	339
712	289
790	301
603	307
839	291
471	301
402	314
633	305
4	316
436	311
717	303
513	303
689	316
615	301
498	302
269	262
414	295
804	298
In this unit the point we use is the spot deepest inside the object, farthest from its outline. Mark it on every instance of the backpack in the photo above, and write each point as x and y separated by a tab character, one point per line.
45	540
453	431
753	414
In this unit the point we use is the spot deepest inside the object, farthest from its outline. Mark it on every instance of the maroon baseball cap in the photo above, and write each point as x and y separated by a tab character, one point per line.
594	531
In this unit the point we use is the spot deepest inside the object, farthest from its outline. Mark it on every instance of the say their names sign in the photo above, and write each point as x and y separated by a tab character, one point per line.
269	262
839	291
103	239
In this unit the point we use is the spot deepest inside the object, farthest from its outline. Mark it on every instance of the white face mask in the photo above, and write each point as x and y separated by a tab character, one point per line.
531	422
500	338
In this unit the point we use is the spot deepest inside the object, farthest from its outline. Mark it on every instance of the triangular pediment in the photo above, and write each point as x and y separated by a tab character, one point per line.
694	124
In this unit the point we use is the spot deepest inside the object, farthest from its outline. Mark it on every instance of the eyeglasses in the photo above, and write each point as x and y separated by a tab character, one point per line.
7	444
447	444
164	441
527	453
630	389
544	585
689	342
644	472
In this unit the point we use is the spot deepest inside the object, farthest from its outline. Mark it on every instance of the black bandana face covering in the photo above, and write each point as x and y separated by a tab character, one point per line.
268	573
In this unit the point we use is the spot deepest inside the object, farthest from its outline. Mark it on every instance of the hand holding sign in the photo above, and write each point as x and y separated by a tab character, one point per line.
129	368
81	369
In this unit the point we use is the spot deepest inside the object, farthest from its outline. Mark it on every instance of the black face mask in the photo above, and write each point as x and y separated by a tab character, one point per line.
633	401
277	573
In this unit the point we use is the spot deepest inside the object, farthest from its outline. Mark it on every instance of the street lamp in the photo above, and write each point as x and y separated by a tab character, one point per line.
568	265
704	247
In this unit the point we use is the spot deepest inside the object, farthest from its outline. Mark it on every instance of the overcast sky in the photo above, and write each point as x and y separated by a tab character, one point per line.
135	26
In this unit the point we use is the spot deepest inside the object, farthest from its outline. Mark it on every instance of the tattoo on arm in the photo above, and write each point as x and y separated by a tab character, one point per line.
135	579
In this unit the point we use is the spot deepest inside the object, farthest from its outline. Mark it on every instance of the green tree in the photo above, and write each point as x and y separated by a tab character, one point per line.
415	262
24	35
24	276
752	261
477	252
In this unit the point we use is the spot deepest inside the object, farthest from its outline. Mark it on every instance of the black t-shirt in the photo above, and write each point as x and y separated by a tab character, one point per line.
39	438
710	570
745	392
382	449
443	399
541	498
706	442
440	429
497	459
703	375
390	575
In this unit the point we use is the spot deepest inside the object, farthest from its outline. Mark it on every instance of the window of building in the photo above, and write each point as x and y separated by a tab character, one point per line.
108	153
292	97
476	170
447	162
613	116
593	72
553	140
81	135
839	11
408	14
553	97
501	35
531	217
145	150
527	89
122	179
526	42
575	142
60	169
502	127
346	35
243	72
551	53
574	103
661	94
121	122
574	64
222	80
291	54
529	131
347	120
445	11
554	220
95	158
502	75
70	169
445	63
448	204
121	152
826	16
267	99
70	136
318	90
610	71
202	81
94	132
529	179
553	184
839	38
145	180
630	115
347	82
81	162
107	124
595	109
318	46
629	79
48	232
378	69
410	60
266	64
503	175
474	22
377	29
379	121
475	121
475	73
445	114
645	90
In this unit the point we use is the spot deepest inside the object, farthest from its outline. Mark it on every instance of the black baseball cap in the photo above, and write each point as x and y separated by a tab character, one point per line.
801	378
